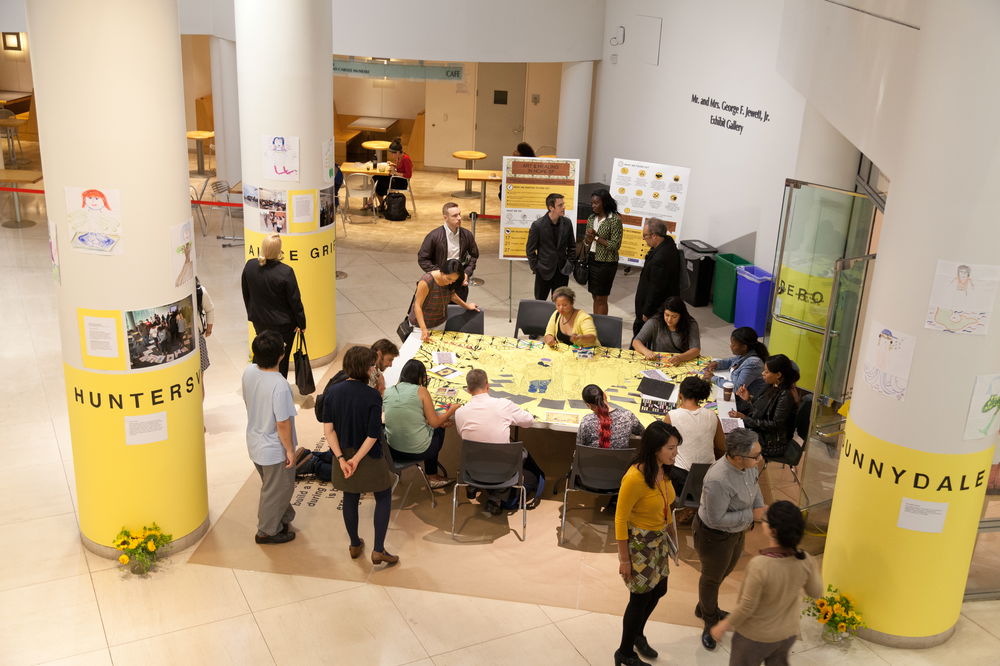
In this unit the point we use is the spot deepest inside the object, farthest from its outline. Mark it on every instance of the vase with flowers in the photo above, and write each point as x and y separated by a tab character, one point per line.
140	550
837	613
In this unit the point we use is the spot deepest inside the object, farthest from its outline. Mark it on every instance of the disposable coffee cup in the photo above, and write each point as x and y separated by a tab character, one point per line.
727	391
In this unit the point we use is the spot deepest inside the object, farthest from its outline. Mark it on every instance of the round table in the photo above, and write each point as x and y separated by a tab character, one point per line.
469	156
379	147
200	137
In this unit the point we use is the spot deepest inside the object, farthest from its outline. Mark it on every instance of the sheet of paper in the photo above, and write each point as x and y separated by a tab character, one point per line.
729	424
652	406
520	399
888	358
551	404
567	418
963	297
655	388
984	408
922	516
281	157
577	404
441	357
655	374
447	371
101	336
303	208
146	428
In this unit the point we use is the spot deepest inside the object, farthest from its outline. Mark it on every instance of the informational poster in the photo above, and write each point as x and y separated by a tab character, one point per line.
146	428
527	181
329	161
101	342
281	157
645	190
94	220
182	253
962	298
888	358
302	210
922	516
983	419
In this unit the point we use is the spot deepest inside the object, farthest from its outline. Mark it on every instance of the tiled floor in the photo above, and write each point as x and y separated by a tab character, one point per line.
59	604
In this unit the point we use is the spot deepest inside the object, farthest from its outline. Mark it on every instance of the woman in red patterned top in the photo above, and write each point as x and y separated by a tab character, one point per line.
400	170
434	291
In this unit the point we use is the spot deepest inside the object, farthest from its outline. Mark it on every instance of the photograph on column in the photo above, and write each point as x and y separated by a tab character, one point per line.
94	220
281	157
160	335
273	205
327	206
251	196
888	357
182	250
963	297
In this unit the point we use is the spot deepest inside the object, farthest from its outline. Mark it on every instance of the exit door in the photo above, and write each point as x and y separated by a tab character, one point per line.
499	111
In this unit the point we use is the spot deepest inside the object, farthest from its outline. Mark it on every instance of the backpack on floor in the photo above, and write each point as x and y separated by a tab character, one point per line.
395	207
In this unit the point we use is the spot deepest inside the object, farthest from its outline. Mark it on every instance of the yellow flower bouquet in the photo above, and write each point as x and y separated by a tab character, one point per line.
140	550
836	612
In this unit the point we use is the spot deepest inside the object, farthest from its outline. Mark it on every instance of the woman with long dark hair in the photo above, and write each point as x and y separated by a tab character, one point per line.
606	427
766	618
673	331
602	241
641	521
746	364
771	414
434	291
704	440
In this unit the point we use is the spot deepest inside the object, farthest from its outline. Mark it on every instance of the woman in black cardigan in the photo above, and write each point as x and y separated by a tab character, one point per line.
772	413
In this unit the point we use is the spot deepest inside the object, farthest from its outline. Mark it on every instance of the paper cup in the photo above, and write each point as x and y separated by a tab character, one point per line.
727	391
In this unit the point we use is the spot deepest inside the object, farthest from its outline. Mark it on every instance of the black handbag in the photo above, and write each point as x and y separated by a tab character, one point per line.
581	272
405	327
303	369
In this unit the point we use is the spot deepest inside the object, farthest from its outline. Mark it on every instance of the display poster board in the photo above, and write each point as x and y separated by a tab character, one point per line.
526	183
646	190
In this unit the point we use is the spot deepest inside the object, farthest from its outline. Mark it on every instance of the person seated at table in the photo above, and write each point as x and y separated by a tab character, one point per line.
434	291
746	365
673	331
400	172
771	414
414	430
522	150
607	427
704	441
569	325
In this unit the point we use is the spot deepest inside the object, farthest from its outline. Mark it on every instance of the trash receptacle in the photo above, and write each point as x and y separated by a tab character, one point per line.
724	288
753	293
699	262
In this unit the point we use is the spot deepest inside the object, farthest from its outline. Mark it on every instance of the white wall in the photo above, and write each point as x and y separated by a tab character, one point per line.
197	65
464	30
393	98
541	120
450	120
715	48
825	156
15	67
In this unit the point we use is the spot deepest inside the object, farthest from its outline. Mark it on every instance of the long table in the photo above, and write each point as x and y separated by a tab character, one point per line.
519	369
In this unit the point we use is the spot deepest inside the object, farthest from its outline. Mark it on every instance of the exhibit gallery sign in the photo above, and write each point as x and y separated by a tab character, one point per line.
731	114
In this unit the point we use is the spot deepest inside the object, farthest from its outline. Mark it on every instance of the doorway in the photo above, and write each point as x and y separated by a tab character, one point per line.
499	111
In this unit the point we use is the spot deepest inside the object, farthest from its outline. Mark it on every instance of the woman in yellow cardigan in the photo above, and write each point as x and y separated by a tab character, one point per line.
641	521
569	325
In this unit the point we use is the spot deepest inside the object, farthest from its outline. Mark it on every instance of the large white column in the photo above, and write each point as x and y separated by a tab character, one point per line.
225	109
286	125
111	121
912	473
573	138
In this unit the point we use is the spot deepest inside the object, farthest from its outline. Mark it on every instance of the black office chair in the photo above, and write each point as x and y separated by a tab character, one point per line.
533	316
609	330
690	497
465	321
792	455
491	467
595	470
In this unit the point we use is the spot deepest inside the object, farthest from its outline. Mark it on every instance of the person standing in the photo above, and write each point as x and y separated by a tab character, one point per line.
435	289
550	247
271	438
641	520
730	501
766	619
204	322
603	239
450	241
271	296
660	276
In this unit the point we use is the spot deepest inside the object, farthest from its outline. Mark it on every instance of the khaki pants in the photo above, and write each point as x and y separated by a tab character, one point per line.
275	508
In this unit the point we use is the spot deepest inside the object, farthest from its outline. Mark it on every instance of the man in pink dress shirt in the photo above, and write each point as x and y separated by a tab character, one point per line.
488	419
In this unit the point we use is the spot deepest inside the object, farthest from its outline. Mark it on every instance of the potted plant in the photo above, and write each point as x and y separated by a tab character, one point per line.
139	551
837	613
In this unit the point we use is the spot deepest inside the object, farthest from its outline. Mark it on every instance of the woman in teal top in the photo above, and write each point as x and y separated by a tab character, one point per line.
413	429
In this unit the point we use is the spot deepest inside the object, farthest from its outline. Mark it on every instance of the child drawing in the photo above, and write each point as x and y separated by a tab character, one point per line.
94	224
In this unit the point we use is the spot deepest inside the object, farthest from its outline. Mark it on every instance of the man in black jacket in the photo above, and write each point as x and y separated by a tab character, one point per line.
450	241
660	277
551	247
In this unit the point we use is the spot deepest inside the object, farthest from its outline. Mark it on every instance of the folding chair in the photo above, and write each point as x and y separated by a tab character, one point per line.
360	184
595	470
220	192
491	467
399	465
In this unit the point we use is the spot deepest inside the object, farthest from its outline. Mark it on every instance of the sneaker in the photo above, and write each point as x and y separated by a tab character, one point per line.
280	537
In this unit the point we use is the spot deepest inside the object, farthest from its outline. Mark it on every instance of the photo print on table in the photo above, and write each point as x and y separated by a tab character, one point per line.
94	220
159	335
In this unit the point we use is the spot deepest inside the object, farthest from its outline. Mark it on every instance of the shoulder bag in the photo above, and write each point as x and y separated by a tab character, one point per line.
303	369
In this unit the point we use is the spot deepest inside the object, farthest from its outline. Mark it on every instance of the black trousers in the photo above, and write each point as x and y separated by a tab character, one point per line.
640	607
288	336
637	325
463	292
544	287
719	552
429	456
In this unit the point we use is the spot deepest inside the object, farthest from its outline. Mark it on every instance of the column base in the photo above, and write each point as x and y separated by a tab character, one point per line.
176	545
906	642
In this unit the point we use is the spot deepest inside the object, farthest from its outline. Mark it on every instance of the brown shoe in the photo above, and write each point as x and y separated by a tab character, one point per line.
302	456
357	550
384	558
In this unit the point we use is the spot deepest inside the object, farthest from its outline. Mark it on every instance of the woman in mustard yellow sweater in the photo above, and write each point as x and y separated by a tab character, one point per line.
641	521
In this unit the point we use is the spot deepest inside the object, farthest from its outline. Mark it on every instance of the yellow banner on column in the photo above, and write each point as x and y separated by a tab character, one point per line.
138	449
312	257
902	529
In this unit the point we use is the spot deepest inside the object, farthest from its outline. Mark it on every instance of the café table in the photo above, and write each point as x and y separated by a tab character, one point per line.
199	137
481	176
469	156
17	177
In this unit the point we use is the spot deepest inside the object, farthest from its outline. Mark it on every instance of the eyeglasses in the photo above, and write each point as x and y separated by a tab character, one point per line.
756	457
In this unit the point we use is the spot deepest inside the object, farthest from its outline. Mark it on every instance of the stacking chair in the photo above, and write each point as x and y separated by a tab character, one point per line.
465	321
609	330
595	470
359	184
409	188
792	455
533	316
197	212
11	133
399	465
220	192
690	497
491	467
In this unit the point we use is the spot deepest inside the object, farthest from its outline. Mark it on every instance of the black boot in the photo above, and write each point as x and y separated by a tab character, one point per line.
622	659
644	648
